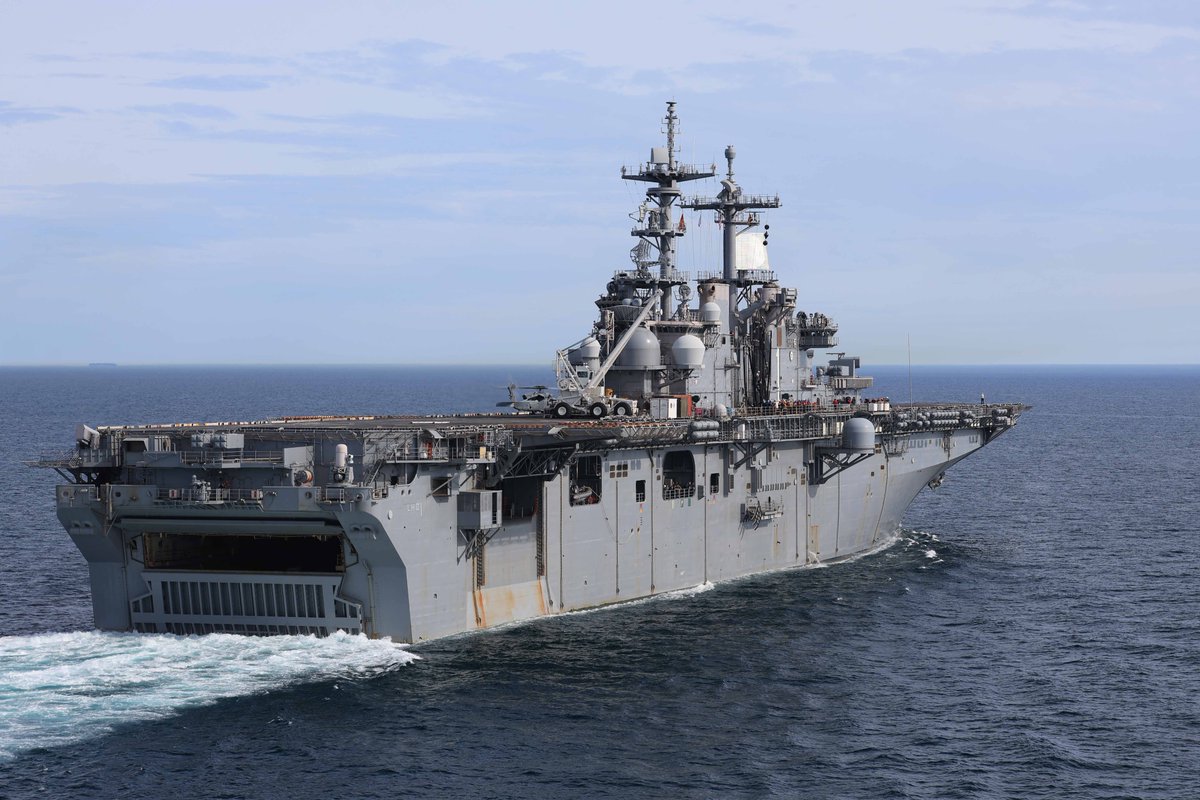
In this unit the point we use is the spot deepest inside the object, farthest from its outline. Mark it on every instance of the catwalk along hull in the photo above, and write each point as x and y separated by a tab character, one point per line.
422	552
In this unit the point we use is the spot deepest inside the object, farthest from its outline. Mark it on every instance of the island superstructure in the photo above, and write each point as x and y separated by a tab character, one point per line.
692	438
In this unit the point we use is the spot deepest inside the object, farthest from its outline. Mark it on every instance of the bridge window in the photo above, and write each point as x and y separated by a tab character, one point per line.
679	474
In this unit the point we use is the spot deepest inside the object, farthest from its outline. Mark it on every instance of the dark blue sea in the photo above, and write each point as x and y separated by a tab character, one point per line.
1034	632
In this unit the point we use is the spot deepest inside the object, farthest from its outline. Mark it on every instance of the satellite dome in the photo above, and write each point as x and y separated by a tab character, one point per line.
586	354
687	351
858	434
642	351
710	312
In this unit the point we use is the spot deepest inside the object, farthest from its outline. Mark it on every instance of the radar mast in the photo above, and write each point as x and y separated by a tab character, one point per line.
657	227
731	207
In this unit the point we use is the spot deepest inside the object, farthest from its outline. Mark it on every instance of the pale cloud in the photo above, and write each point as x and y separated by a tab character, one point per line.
630	36
11	114
416	62
218	83
1051	94
929	154
622	34
91	137
753	27
186	110
184	56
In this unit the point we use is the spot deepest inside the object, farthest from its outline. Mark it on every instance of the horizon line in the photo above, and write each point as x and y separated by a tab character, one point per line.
448	365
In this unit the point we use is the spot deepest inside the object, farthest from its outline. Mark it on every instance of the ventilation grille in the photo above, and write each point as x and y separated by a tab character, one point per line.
183	603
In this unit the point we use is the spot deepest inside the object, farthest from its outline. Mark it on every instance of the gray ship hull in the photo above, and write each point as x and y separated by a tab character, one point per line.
410	566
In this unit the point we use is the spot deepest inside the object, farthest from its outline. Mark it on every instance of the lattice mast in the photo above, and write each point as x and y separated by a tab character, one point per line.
732	206
656	227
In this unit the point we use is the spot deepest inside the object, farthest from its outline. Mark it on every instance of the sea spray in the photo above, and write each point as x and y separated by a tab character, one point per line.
64	687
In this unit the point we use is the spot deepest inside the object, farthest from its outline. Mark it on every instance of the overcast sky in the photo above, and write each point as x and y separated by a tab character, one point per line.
1005	181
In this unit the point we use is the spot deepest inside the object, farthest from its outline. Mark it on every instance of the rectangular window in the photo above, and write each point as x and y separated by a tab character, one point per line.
714	483
640	494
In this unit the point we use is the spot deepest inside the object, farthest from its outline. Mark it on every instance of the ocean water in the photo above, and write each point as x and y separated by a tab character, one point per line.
1034	631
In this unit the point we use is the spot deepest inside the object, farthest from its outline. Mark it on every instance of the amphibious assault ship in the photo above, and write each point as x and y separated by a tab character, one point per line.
692	438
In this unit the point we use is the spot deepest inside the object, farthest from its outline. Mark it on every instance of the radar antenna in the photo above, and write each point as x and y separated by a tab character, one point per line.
658	229
731	206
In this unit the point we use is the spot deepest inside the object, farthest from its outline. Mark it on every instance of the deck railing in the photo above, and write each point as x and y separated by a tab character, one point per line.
678	492
196	458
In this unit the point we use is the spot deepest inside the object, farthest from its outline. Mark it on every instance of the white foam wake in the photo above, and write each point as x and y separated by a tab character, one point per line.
60	688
